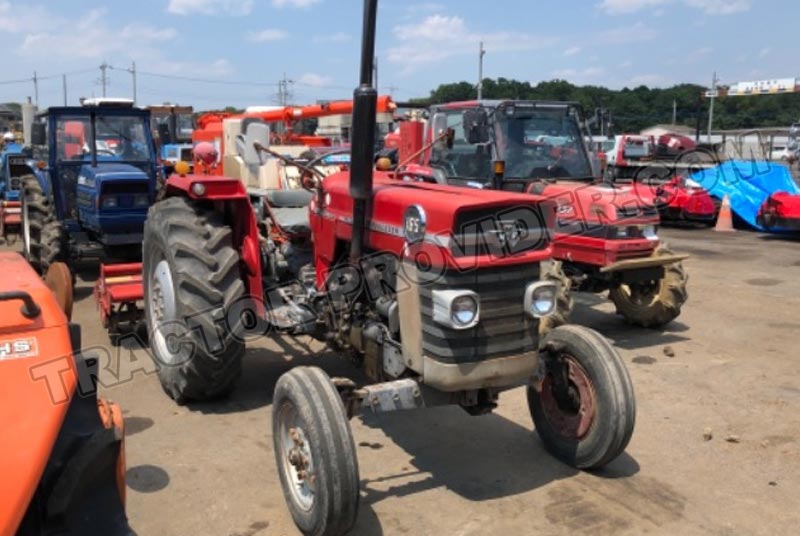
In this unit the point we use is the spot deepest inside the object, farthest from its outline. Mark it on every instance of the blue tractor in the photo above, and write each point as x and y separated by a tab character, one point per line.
173	126
94	179
15	162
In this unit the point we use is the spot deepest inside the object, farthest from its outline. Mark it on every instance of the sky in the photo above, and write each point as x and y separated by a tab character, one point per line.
213	53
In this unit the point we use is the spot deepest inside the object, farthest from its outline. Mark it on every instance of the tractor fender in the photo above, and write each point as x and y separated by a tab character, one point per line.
229	197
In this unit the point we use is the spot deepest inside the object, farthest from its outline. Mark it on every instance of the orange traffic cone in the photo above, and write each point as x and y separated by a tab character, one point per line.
725	217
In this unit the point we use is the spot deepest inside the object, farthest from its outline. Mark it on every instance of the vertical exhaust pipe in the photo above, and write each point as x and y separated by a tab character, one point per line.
362	151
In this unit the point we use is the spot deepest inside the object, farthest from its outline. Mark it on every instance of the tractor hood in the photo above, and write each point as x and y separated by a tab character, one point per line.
471	226
110	171
602	203
37	380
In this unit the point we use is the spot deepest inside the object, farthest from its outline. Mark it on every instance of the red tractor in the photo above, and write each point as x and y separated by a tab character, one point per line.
780	212
606	234
396	276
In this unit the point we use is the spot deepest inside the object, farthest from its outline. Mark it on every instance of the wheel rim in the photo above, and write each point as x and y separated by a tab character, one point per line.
570	414
26	230
161	309
296	459
642	295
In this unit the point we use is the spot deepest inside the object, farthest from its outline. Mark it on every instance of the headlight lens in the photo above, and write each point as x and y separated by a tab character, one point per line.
141	200
110	201
540	298
456	309
463	310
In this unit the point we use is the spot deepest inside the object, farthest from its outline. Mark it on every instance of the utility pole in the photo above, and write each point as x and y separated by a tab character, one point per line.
481	53
674	112
713	95
64	87
133	74
35	89
103	79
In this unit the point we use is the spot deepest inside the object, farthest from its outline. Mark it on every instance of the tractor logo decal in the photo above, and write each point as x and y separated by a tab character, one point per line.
19	348
509	232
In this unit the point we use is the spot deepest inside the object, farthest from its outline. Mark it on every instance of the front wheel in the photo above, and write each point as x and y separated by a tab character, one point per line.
584	408
314	452
655	303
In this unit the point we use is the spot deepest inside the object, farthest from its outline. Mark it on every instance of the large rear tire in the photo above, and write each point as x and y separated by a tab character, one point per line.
656	304
584	408
315	453
37	211
192	280
53	245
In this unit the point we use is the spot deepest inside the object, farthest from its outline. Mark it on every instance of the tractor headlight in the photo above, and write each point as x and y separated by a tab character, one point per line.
650	232
540	298
141	200
456	309
109	201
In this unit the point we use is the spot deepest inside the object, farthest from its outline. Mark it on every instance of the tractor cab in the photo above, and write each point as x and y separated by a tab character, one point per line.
172	130
94	180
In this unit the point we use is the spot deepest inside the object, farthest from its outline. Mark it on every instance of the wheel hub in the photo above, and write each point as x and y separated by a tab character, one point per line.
298	461
569	402
643	294
162	310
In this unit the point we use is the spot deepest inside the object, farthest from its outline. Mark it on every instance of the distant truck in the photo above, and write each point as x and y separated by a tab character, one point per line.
633	156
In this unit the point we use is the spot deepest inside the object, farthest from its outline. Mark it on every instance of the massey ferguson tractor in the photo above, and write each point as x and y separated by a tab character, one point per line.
434	291
605	236
94	181
62	450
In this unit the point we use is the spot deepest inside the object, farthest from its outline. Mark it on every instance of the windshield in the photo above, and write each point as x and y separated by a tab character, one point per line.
541	143
462	160
118	138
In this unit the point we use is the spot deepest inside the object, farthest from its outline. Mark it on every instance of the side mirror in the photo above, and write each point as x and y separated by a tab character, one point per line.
38	134
476	126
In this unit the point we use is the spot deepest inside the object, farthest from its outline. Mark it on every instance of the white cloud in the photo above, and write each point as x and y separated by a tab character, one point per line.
21	18
571	51
439	37
210	7
294	3
338	37
269	34
628	34
89	37
720	7
710	7
615	7
315	80
764	52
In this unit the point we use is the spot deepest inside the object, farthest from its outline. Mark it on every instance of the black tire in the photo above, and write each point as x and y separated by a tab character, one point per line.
564	303
37	211
53	245
202	267
661	306
306	397
592	443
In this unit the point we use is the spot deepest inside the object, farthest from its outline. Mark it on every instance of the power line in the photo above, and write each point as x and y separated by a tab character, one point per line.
206	80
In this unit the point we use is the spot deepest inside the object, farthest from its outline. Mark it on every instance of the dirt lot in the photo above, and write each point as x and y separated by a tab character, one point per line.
729	364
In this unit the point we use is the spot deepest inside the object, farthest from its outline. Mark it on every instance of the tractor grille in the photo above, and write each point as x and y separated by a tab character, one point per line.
504	328
634	212
499	231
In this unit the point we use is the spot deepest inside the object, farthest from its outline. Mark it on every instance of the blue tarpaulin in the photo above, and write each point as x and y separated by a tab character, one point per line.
748	183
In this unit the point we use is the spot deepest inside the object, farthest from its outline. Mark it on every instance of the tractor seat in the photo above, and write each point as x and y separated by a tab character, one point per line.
289	208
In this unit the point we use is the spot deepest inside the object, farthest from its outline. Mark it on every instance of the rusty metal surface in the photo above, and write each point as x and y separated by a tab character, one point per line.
647	262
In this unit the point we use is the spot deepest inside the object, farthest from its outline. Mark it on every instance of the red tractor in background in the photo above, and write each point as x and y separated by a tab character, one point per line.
606	234
424	286
780	212
662	166
62	450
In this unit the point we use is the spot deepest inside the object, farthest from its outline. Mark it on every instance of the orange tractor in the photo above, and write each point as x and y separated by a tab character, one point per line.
62	454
